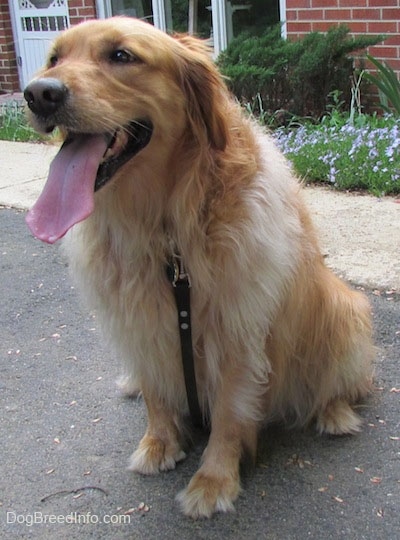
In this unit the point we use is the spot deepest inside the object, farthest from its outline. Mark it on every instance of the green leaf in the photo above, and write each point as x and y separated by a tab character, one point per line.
387	82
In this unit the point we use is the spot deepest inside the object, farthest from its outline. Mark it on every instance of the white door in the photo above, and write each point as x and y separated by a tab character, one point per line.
36	23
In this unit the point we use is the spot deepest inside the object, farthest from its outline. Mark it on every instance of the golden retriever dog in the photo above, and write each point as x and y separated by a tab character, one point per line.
159	159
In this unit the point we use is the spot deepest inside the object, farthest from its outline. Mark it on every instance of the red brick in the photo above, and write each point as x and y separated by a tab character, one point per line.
291	15
386	52
382	27
321	26
298	27
352	3
85	12
391	14
337	14
367	14
393	40
357	27
295	4
324	3
383	3
310	15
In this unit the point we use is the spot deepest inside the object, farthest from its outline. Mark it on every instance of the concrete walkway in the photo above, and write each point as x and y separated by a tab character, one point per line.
24	168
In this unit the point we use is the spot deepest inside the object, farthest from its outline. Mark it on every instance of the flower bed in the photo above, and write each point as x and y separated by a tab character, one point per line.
346	156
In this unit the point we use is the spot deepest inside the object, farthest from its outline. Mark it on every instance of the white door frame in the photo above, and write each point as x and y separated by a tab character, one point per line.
34	29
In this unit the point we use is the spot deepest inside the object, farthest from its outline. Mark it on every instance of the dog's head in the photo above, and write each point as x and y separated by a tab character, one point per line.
117	88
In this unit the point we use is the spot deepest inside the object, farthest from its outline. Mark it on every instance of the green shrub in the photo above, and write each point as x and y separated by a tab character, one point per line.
298	76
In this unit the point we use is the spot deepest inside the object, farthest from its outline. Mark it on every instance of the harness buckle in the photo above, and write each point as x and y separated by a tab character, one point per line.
176	271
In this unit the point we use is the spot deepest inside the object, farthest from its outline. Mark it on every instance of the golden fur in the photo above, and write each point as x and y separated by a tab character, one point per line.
276	335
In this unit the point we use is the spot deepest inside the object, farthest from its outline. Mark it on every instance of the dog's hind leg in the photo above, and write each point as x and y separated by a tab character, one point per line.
129	386
338	418
348	376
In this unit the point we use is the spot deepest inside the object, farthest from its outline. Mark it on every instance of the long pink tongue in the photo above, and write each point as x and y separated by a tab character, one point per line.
68	196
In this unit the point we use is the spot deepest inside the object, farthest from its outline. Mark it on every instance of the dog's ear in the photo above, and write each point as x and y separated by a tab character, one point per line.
205	92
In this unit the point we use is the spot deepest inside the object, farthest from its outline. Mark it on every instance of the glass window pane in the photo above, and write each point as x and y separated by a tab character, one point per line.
189	16
142	9
251	16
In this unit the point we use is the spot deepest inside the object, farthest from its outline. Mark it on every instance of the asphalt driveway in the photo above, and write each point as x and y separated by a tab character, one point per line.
67	435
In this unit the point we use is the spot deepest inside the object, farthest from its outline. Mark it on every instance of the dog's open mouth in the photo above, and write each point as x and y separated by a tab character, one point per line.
84	164
122	147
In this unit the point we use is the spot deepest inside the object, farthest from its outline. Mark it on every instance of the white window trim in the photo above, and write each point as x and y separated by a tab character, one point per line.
159	14
103	9
282	16
218	17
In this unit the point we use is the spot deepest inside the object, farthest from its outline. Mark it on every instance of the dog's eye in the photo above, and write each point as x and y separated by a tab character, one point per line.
120	56
53	60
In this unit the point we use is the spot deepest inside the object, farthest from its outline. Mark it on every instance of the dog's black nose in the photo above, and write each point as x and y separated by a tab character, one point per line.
44	96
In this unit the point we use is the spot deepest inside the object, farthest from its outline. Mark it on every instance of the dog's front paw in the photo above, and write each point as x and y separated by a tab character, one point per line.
207	494
154	455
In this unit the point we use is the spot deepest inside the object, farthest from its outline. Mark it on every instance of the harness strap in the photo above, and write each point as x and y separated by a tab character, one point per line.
181	287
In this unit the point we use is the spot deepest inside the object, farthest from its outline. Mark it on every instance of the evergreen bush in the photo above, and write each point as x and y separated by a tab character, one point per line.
298	76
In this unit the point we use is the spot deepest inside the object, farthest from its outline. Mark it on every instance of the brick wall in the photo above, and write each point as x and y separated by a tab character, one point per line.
81	10
361	16
8	63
